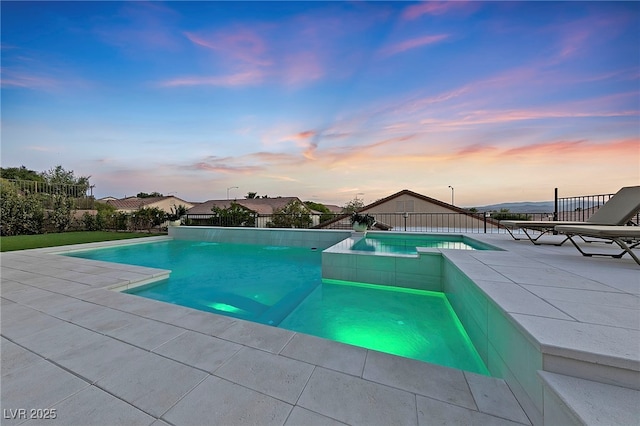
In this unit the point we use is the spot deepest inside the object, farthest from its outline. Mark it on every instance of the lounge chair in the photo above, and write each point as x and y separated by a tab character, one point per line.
616	212
627	237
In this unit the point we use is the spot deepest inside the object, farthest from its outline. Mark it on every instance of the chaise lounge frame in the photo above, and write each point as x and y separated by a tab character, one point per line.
617	211
626	237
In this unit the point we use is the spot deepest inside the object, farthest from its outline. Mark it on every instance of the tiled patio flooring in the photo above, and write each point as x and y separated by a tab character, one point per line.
101	357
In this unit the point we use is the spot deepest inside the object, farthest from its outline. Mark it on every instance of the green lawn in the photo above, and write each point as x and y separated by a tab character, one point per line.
23	242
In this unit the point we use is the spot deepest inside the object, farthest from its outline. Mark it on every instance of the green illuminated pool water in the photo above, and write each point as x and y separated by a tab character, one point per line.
412	323
283	287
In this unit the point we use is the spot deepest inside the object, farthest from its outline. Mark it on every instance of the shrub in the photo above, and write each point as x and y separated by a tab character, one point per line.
504	214
292	215
362	219
60	216
147	218
234	215
19	213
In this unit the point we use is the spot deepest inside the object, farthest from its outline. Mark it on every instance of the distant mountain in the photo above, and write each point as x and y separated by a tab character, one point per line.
523	207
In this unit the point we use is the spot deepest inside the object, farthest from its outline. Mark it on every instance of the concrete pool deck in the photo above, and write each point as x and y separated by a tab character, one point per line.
96	356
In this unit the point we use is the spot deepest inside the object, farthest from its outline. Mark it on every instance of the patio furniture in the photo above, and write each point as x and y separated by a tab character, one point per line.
616	212
627	237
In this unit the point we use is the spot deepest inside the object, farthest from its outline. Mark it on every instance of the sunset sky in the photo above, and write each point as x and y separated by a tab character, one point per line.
326	101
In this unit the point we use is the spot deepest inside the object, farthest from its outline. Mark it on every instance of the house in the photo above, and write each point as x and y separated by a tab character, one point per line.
408	210
131	204
105	199
333	208
262	209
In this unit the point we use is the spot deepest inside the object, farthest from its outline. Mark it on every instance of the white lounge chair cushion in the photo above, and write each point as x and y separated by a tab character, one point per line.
604	231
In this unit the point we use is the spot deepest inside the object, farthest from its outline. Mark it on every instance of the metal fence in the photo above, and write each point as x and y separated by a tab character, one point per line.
397	222
487	223
82	195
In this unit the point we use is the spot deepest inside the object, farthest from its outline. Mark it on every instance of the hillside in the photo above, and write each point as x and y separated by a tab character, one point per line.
522	207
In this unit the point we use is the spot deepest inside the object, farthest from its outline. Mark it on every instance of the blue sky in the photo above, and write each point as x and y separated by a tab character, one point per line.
326	100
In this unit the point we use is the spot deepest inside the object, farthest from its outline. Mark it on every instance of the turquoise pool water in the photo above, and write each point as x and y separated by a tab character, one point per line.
283	287
408	244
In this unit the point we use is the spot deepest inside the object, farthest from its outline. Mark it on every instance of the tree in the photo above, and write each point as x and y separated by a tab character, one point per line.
58	175
234	215
293	215
353	205
251	195
154	194
319	207
20	173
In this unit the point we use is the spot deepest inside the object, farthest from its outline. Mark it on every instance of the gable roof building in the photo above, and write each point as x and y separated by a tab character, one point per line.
409	210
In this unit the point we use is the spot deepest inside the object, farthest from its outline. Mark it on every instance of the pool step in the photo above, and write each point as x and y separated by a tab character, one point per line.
573	401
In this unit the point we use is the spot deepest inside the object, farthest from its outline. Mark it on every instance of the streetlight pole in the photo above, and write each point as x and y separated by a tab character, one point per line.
451	195
231	187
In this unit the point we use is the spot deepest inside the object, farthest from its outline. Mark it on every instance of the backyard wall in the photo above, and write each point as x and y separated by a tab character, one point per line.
311	238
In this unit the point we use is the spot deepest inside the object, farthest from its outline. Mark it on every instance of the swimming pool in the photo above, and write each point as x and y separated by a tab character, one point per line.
282	286
408	244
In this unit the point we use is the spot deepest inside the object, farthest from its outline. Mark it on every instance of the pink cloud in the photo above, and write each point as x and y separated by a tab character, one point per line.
552	150
240	79
546	149
306	56
12	78
47	77
242	45
412	44
282	178
577	38
436	8
223	166
301	136
301	68
42	148
272	157
250	58
475	149
147	25
306	139
574	42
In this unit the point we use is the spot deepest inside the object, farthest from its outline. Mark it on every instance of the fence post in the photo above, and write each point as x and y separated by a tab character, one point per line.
555	205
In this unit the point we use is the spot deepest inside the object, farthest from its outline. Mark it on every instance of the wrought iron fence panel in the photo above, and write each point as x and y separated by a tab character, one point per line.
582	207
46	193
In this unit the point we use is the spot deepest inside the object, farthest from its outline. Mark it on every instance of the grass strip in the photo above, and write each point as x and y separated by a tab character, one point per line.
24	242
